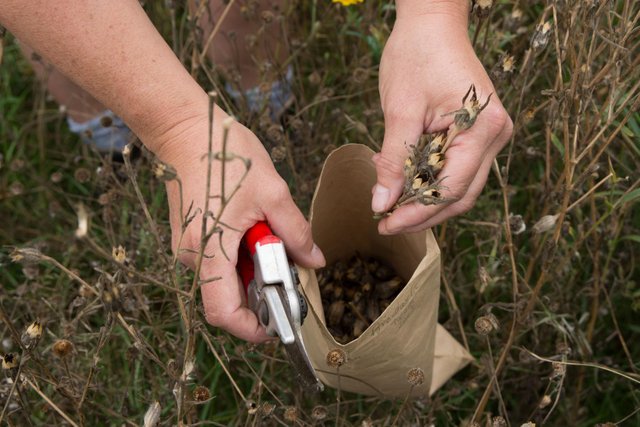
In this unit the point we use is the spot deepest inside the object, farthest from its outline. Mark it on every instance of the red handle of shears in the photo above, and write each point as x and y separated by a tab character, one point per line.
259	234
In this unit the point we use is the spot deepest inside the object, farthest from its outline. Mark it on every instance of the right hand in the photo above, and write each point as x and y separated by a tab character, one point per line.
263	196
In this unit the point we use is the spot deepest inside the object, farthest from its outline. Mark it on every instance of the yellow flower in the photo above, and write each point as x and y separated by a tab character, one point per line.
347	2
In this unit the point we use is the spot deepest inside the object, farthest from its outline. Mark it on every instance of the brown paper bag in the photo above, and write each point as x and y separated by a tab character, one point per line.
407	334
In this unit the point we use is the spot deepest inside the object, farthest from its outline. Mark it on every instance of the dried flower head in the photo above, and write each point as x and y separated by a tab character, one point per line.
336	358
201	394
267	408
82	175
56	177
466	116
415	377
10	361
251	406
25	255
319	413
31	336
545	401
163	171
291	414
118	254
482	8
559	369
517	224
278	153
152	416
504	68
529	424
545	224
486	324
62	348
498	421
541	36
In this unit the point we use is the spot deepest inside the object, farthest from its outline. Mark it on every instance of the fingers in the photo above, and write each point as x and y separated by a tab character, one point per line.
224	300
468	162
401	130
288	223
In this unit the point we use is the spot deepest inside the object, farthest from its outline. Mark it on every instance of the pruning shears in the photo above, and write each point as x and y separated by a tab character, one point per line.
271	285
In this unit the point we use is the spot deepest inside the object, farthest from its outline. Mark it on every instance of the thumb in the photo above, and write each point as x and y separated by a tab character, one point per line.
289	224
398	136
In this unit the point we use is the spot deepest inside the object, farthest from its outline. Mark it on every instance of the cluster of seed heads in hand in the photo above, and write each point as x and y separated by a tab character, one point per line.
427	157
355	293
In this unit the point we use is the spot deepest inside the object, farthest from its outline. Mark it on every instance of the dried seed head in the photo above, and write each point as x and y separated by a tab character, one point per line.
267	409
486	324
559	369
62	348
367	422
504	68
25	255
563	348
163	171
482	8
251	406
336	358
319	413
275	133
545	401
152	416
56	177
201	394
10	361
315	78
118	254
465	117
529	424
541	36
291	414
516	224
498	421
415	377
82	175
278	153
31	336
267	16
545	224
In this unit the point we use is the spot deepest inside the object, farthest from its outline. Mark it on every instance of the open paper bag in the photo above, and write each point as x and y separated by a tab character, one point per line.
406	335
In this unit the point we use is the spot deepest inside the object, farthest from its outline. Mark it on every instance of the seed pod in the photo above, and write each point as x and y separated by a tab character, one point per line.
335	313
326	290
486	324
359	326
201	394
10	365
338	291
62	348
319	413
373	309
415	376
384	272
291	414
388	288
31	336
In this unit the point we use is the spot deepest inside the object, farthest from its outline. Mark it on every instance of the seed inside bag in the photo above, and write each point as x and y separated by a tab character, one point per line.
354	294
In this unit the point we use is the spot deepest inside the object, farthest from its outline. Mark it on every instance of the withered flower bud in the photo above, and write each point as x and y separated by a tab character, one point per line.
545	401
31	336
201	394
541	36
504	68
62	348
336	358
415	377
118	254
529	424
559	369
82	175
319	413
545	224
516	224
25	255
275	133
291	414
486	324
251	406
465	117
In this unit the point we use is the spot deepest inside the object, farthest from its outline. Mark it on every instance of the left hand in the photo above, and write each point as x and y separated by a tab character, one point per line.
427	66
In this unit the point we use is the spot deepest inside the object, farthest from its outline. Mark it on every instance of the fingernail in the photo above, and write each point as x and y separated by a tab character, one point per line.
318	257
380	198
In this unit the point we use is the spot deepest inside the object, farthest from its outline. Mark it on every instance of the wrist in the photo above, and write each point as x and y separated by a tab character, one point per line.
456	9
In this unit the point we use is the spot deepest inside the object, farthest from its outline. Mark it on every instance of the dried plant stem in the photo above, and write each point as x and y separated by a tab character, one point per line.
50	403
205	336
215	30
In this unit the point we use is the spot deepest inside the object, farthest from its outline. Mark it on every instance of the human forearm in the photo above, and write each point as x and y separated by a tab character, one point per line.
112	50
